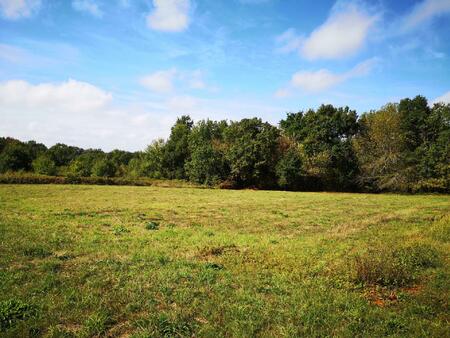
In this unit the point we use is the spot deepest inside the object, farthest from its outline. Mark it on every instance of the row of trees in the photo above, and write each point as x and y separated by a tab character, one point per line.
400	147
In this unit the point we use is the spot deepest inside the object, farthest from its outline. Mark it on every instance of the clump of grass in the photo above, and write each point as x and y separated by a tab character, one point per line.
214	266
97	324
392	267
152	226
12	311
37	252
165	325
119	230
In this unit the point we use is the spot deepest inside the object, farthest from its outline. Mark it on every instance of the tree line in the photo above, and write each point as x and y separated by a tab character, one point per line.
400	147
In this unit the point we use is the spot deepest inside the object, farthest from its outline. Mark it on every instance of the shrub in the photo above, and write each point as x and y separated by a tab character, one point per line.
394	266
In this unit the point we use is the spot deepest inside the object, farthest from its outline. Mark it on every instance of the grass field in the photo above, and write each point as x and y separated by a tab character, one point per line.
182	262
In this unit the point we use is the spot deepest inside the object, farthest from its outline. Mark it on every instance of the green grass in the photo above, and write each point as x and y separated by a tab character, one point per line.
181	262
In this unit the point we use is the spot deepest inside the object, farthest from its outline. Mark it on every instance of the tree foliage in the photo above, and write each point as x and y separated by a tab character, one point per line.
400	147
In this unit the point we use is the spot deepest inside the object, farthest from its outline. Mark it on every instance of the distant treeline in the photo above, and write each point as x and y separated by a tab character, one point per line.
400	147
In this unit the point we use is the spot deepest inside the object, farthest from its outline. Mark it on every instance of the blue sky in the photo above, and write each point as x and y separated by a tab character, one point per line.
117	73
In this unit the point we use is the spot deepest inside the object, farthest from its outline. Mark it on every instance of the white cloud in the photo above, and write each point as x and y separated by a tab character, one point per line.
77	113
169	15
341	35
15	9
445	98
168	81
88	6
72	96
424	11
161	81
85	115
320	80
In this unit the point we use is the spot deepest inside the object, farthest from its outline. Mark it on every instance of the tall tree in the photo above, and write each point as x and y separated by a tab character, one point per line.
207	163
252	152
176	151
379	147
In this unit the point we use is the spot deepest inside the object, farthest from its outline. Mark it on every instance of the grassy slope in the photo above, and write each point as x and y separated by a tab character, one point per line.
222	263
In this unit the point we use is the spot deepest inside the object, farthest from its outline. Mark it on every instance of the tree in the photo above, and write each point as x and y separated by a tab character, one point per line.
433	154
63	154
83	165
251	149
289	170
413	116
44	165
104	168
176	151
379	148
207	163
325	138
14	157
152	160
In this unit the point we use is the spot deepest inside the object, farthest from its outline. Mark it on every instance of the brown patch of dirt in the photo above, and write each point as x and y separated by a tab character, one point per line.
218	250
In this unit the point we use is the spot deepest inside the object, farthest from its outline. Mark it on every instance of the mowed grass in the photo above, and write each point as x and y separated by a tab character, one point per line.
183	262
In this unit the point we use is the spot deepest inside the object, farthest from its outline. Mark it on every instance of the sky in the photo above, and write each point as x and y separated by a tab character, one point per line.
116	73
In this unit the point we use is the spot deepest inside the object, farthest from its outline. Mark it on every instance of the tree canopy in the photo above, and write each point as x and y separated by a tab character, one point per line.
402	146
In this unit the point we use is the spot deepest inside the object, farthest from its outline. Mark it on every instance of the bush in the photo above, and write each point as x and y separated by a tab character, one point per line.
30	178
394	266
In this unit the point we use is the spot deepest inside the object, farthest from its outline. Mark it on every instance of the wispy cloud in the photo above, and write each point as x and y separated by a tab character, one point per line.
88	6
320	80
168	81
160	81
169	15
425	11
16	9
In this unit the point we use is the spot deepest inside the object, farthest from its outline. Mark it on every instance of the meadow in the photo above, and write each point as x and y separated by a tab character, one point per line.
118	261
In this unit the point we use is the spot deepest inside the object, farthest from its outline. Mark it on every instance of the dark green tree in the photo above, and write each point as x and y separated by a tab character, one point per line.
63	154
15	156
251	150
207	163
176	150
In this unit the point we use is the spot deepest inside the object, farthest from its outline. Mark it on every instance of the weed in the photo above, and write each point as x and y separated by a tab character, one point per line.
214	266
152	226
97	324
37	252
168	327
12	311
119	230
390	266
